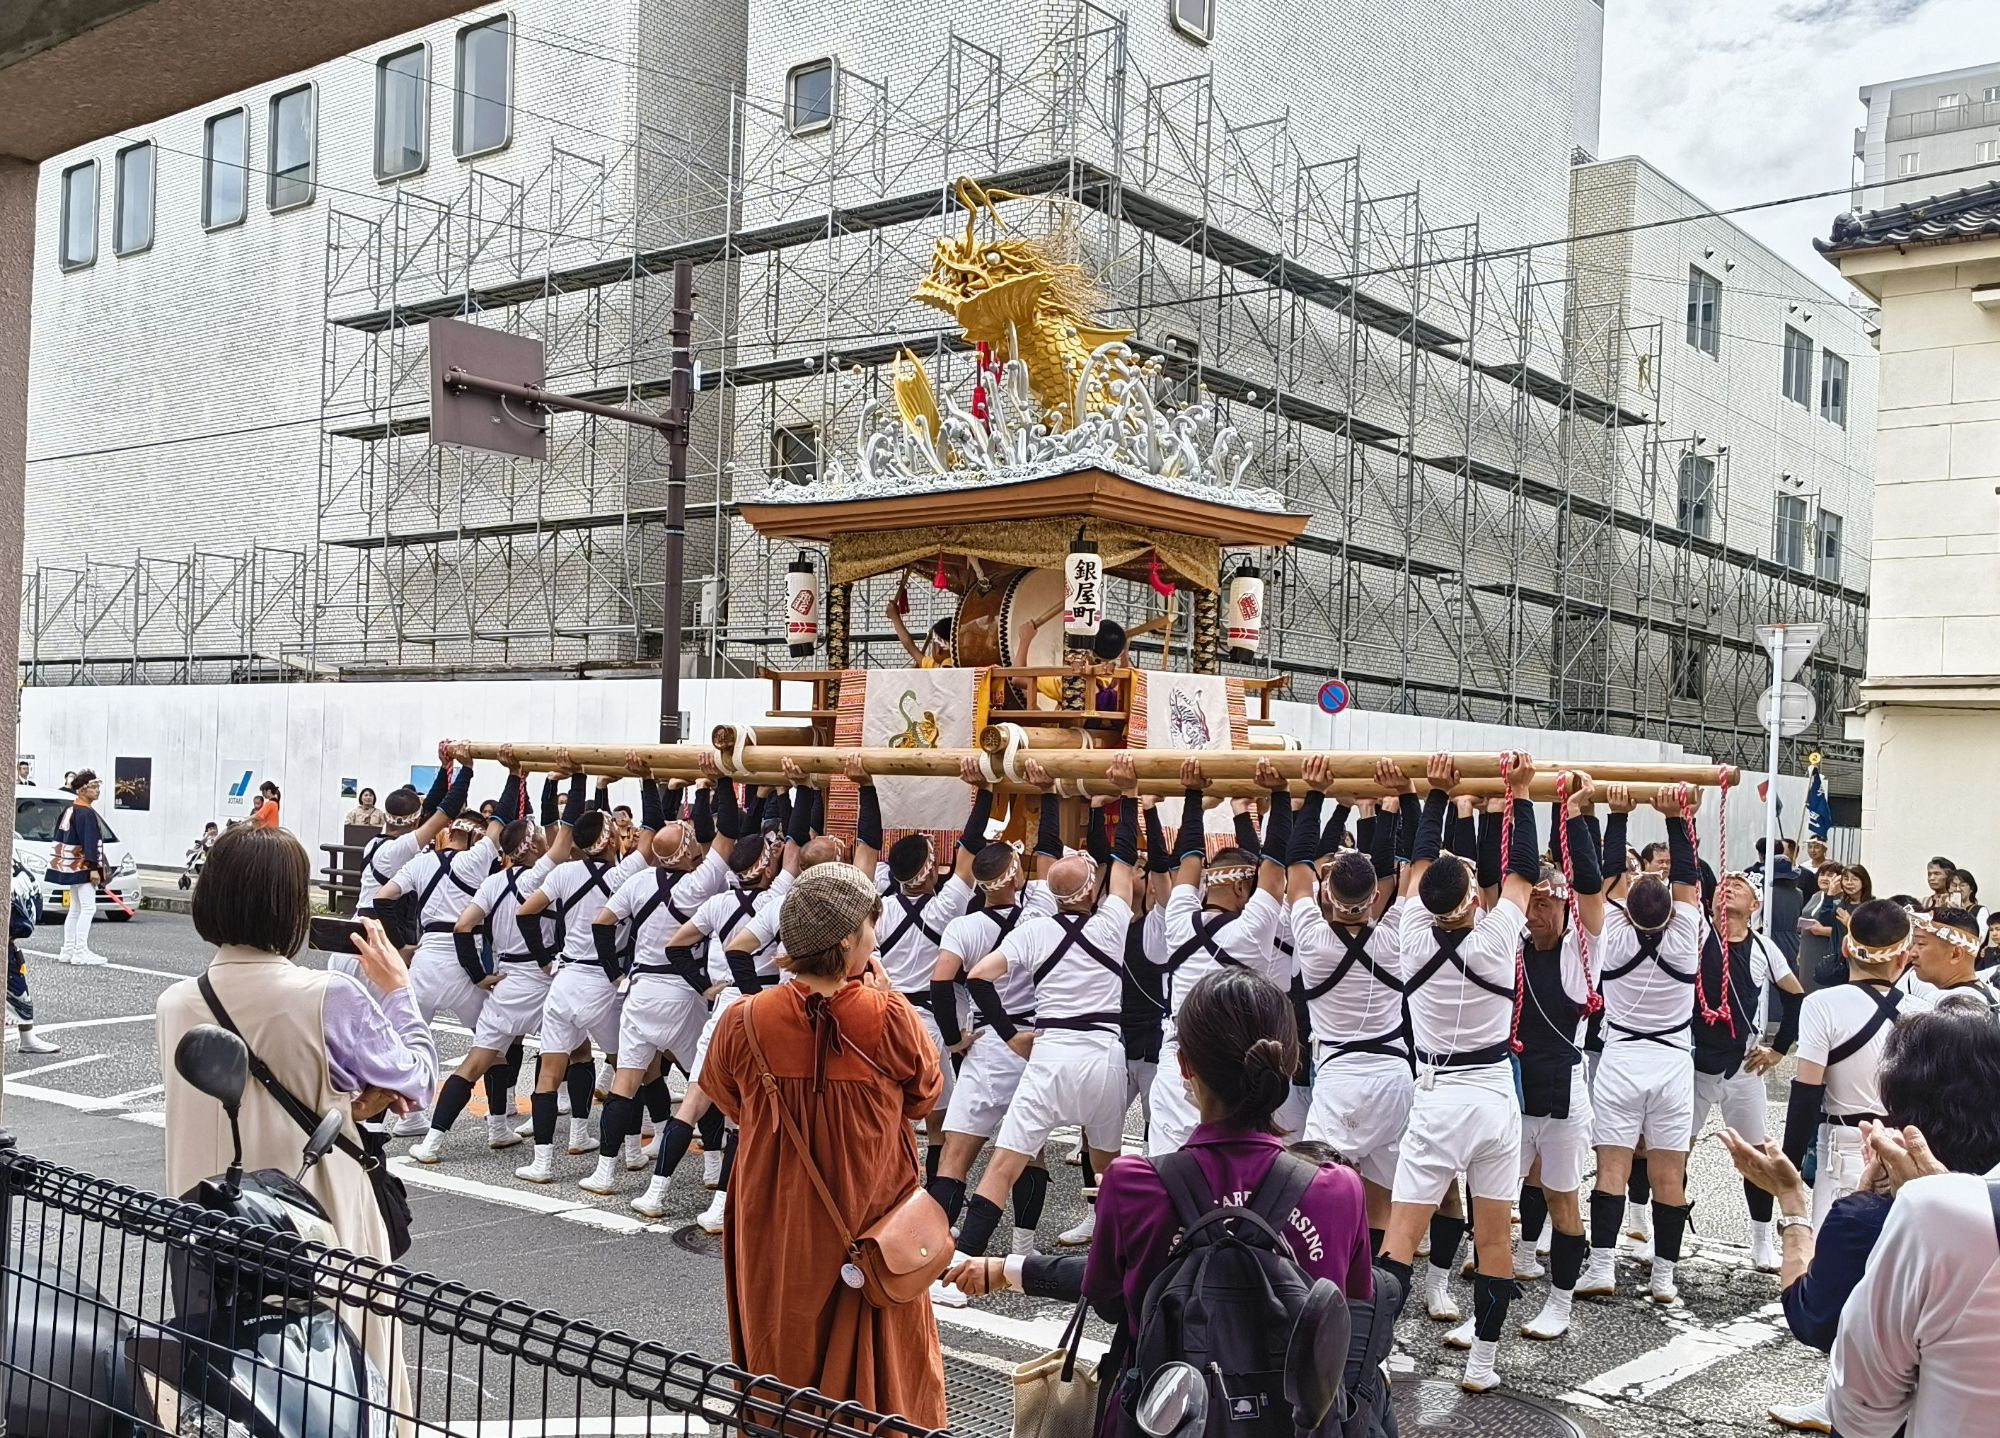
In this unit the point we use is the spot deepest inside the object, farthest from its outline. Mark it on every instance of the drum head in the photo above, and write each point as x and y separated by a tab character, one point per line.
1032	594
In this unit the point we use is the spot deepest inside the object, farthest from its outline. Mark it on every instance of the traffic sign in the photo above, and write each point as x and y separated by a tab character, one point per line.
1334	696
1790	706
1797	641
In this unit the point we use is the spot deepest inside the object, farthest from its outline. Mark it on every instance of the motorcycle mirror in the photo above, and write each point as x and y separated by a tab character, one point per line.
323	1137
1175	1402
215	1061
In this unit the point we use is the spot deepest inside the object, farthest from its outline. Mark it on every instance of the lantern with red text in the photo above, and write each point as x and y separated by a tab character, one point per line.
1083	589
801	607
1244	613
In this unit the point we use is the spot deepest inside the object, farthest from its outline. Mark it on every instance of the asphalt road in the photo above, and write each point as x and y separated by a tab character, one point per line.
1709	1366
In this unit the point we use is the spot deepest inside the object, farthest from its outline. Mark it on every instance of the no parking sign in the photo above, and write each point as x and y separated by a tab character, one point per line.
1334	696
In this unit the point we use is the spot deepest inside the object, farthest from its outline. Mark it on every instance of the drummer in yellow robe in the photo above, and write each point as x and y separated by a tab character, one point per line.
935	651
1111	648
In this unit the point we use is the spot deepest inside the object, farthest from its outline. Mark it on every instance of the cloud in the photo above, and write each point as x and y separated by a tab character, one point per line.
1868	12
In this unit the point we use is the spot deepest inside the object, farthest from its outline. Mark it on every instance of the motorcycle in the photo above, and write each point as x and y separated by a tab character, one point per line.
252	1352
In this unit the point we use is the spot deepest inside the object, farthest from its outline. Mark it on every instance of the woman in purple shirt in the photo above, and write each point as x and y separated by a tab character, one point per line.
1238	1049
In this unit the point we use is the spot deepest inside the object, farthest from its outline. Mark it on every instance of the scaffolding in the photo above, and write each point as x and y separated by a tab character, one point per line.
1494	534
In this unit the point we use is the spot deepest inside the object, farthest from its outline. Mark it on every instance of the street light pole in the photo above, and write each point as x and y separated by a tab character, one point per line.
1775	639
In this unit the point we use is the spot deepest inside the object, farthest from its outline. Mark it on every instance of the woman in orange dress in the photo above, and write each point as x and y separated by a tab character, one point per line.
855	1067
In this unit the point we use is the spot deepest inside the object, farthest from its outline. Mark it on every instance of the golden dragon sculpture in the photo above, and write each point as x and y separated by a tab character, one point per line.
1009	292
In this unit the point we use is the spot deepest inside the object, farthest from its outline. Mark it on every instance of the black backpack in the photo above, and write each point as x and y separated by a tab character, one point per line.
1234	1303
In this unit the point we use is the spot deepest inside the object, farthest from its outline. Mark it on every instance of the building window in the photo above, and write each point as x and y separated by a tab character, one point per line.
132	200
1833	389
402	113
809	97
1798	367
1180	385
79	216
1687	667
1696	494
1828	567
292	139
225	169
1993	94
483	119
795	453
1195	18
1983	152
1788	543
1704	311
1907	164
1950	100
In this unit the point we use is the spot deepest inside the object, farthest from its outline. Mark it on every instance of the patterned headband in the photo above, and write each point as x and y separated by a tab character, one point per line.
682	847
1958	938
929	865
987	886
1083	889
1228	874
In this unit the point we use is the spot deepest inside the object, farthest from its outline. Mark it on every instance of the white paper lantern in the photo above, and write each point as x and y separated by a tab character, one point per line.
1083	589
1244	616
801	607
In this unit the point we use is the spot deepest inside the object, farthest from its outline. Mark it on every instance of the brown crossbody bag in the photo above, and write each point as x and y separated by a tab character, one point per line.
899	1256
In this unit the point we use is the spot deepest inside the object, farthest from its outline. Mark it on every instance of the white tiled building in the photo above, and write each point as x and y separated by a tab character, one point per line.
1921	127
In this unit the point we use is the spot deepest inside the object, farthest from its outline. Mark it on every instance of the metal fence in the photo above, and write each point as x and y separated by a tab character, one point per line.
129	1314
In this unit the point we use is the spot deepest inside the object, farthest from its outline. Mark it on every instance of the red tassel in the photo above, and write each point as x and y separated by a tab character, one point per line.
903	596
980	409
938	580
1162	586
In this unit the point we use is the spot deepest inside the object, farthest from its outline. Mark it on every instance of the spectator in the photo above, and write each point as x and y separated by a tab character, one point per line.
1989	952
21	768
1819	961
1238	1048
69	781
1937	1079
1781	892
1937	875
1814	861
365	814
853	1069
1964	891
320	1033
22	915
76	865
489	807
935	651
265	815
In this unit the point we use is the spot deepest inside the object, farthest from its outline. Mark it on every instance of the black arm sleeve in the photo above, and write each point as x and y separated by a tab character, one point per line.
743	971
1048	829
1191	842
535	934
777	817
434	797
944	1008
728	818
868	826
573	806
1803	1111
1614	845
1246	834
466	945
508	808
1278	829
1407	821
816	817
1585	876
652	808
551	802
1596	832
686	967
702	817
1526	857
1682	866
461	789
1305	843
1787	1035
605	937
1125	847
1097	836
1159	859
754	800
673	800
987	998
798	827
1382	846
1489	850
1333	833
1430	826
601	800
1461	836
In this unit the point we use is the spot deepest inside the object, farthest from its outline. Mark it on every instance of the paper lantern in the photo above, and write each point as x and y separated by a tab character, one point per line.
1083	589
801	607
1244	615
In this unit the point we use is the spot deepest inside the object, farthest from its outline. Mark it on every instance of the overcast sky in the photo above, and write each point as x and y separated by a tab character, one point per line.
1746	100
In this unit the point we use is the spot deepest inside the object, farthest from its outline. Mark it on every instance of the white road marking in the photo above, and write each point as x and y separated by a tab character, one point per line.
1687	1353
115	964
132	1096
67	1024
51	1068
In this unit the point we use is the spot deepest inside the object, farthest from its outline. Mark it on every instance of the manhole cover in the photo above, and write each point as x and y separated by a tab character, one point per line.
1435	1409
690	1237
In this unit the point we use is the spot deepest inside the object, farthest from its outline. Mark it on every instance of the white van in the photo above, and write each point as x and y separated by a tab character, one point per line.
36	811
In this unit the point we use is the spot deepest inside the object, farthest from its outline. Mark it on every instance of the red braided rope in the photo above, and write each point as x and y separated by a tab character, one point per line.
1710	1013
444	759
1507	761
1593	1001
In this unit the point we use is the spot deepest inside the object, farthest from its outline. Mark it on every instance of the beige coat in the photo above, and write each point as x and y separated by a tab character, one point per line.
277	1006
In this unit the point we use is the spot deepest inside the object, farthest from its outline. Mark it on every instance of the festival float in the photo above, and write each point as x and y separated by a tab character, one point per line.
1071	459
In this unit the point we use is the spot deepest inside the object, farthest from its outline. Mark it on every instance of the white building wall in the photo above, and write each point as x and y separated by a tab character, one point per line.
1905	121
308	737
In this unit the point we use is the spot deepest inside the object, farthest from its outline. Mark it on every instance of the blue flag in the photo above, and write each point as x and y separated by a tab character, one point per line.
1819	808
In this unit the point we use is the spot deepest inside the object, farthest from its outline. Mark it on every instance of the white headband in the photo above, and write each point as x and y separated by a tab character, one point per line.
1228	874
1958	938
1089	882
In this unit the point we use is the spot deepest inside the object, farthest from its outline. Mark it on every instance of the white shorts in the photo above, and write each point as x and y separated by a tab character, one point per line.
1174	1115
513	1006
722	1002
985	1088
440	986
662	1018
1562	1144
930	1023
1361	1105
1139	1076
1644	1091
1463	1124
1840	1164
582	1008
1071	1077
1741	1098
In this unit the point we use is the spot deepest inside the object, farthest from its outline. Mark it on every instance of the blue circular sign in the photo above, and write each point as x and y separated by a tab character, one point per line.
1333	696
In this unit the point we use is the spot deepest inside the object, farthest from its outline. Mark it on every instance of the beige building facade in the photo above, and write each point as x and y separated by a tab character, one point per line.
1929	715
